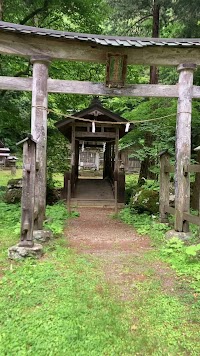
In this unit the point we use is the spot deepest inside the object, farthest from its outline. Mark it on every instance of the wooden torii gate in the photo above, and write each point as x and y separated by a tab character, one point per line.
42	46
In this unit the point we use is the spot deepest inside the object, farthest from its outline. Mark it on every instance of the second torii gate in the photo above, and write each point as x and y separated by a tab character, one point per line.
42	46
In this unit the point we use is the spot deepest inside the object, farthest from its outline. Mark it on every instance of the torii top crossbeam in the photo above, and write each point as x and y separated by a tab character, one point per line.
30	41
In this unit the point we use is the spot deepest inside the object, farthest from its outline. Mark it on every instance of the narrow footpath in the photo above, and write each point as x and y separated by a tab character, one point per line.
121	252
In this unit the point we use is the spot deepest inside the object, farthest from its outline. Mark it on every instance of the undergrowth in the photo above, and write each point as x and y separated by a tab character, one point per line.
10	215
185	259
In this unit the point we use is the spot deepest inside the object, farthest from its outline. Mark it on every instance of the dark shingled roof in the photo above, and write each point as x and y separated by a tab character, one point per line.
116	41
65	125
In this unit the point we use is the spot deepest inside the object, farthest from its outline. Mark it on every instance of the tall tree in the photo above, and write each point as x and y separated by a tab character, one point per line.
150	18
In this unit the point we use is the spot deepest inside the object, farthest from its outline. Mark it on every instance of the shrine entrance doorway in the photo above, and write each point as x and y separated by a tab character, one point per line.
97	130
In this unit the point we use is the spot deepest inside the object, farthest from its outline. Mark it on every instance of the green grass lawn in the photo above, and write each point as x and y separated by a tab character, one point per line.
61	304
5	176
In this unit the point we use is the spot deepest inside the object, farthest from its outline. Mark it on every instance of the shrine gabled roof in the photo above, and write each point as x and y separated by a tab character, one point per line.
116	41
94	112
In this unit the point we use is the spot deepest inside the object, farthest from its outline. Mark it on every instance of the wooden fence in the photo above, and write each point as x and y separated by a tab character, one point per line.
165	208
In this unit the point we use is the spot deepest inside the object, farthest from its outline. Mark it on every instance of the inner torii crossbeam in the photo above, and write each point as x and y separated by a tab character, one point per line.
42	46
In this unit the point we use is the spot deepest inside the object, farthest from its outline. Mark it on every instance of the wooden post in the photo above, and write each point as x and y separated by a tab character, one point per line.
28	192
183	145
112	156
117	150
39	133
164	186
76	158
73	158
116	203
68	195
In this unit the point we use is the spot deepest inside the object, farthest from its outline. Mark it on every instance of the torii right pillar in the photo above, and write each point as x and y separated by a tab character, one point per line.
183	145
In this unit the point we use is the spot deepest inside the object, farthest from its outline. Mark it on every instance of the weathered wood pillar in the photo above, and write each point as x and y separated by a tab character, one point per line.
27	201
106	169
112	156
164	186
76	158
183	145
116	169
39	133
73	157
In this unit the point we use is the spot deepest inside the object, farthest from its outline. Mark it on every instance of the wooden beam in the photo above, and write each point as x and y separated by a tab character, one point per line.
186	216
84	87
16	83
183	145
196	92
191	218
95	135
192	168
72	50
169	209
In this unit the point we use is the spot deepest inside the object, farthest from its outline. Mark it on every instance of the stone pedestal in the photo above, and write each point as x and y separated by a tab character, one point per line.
17	252
184	236
42	235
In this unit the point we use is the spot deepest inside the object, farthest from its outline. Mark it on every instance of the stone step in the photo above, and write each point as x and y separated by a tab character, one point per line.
101	203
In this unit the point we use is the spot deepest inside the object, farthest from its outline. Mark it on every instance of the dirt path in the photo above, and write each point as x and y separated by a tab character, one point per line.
119	249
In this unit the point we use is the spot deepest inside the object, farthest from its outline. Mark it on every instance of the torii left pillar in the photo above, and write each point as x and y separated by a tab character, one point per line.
26	246
39	133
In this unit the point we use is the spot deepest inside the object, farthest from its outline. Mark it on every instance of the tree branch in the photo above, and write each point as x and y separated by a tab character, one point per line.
143	19
35	12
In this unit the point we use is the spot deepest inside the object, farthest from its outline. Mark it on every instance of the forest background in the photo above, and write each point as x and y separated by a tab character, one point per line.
143	18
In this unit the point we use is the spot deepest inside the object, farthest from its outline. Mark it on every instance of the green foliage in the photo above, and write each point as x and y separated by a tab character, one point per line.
145	200
183	258
142	199
145	225
193	250
62	306
9	227
130	187
56	217
174	245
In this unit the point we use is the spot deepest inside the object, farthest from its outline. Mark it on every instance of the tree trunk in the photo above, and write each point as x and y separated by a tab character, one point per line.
148	139
155	34
1	10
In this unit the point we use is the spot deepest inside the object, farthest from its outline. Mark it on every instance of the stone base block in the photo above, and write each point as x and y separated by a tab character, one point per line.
184	236
42	235
18	252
